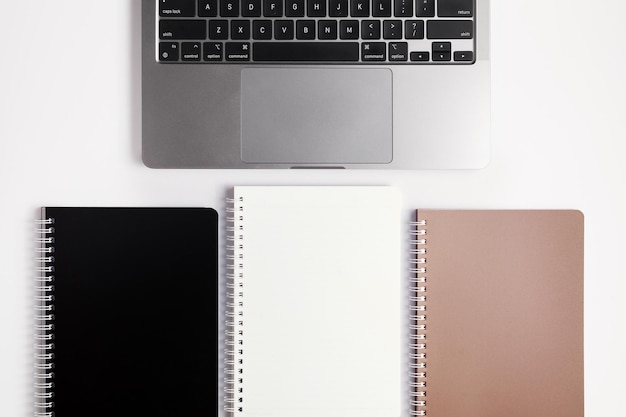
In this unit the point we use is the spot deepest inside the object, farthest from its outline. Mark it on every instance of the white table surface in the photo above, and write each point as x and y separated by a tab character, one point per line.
70	135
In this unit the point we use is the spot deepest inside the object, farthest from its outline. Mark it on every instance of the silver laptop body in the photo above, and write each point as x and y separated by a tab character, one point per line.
247	103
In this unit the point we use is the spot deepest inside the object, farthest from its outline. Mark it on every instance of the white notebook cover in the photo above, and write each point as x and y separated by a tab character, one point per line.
317	302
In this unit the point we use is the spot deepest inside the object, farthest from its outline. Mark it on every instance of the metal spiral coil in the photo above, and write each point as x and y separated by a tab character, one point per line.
44	319
417	320
233	398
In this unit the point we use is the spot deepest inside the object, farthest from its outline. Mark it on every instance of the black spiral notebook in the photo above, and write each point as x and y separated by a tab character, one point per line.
127	312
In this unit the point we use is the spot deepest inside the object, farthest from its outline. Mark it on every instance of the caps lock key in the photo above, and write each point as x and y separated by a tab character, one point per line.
177	8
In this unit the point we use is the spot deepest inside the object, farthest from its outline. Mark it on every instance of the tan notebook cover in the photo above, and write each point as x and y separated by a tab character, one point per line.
504	313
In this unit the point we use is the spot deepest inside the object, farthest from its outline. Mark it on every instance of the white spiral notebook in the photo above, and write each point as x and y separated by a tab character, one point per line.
315	323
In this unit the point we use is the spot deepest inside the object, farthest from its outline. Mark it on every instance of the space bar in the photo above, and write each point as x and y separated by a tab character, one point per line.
305	51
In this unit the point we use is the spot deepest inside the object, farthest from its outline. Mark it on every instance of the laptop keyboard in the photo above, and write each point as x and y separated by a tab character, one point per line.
316	31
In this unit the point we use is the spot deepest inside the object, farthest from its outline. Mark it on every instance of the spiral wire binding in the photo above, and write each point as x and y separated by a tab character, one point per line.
233	401
44	317
417	319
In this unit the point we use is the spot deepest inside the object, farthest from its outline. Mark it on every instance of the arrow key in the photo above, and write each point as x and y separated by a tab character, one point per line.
466	56
421	56
442	47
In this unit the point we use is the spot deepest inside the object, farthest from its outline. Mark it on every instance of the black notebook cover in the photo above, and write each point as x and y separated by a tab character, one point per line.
135	312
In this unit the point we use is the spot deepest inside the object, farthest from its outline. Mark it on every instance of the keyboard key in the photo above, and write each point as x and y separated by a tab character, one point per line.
306	51
237	51
305	29
240	29
207	8
381	8
441	56
251	8
370	29
213	51
327	29
182	29
398	51
373	51
359	8
229	8
218	29
466	56
455	8
403	8
283	29
191	51
442	46
168	51
349	29
392	29
294	8
450	29
316	8
414	29
420	56
177	8
425	8
338	8
262	29
272	8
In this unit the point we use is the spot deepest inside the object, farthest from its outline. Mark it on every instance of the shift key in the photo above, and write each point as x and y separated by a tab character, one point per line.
182	29
450	29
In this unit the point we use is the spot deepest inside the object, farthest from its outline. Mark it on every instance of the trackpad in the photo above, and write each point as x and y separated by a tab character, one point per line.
316	115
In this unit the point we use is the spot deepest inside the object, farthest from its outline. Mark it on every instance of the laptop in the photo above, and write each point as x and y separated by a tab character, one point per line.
375	84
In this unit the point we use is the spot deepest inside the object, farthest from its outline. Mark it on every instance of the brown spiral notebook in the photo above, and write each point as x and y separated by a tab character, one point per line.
501	297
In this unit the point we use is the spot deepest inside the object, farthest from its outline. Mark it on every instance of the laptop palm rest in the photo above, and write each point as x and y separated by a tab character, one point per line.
316	115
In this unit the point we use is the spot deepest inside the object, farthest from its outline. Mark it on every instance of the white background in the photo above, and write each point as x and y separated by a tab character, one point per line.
70	135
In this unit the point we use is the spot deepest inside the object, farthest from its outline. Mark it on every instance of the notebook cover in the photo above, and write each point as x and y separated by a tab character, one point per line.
135	311
504	313
317	272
